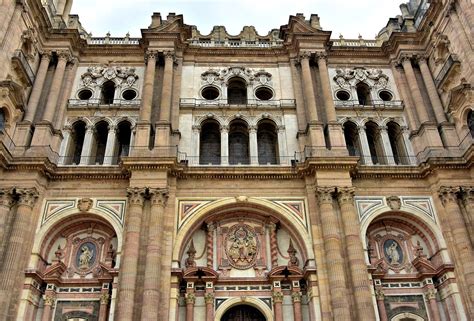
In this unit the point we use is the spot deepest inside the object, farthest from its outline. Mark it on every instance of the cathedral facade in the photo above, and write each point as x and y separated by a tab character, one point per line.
290	176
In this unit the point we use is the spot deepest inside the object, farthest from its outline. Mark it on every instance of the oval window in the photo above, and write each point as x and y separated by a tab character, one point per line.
264	93
385	95
343	95
129	94
210	93
85	94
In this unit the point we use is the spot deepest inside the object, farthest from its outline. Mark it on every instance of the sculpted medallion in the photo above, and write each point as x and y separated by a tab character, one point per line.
393	252
241	246
85	256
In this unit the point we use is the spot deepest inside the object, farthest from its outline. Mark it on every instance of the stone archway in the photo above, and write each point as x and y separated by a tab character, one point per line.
243	312
249	303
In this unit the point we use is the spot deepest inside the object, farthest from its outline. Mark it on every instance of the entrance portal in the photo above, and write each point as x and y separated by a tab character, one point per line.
243	313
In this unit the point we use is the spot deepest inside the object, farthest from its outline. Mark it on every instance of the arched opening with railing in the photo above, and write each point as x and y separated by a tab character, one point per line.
374	141
237	91
108	92
351	136
78	134
124	135
363	94
470	122
210	143
400	155
238	142
101	132
267	142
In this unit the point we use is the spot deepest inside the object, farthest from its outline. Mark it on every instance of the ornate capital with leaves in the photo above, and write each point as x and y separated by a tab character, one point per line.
277	296
448	194
325	194
159	196
6	197
345	195
136	195
27	196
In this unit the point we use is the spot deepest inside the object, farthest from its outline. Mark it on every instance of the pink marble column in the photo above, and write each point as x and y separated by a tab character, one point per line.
190	300
37	87
277	296
147	97
49	302
434	309
273	245
308	90
104	305
129	264
296	298
209	299
326	86
210	245
380	296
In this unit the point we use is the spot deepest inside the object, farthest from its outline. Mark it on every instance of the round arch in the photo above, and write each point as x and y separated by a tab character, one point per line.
295	226
407	316
256	303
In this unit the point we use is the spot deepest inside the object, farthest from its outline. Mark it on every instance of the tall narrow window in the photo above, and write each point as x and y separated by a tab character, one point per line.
210	143
372	131
108	93
363	94
237	92
396	142
470	122
351	136
77	135
124	133
267	143
2	119
101	131
238	143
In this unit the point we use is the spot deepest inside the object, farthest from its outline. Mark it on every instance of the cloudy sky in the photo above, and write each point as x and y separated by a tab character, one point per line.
347	17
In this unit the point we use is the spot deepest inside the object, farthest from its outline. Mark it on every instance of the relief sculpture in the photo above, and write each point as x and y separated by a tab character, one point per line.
241	246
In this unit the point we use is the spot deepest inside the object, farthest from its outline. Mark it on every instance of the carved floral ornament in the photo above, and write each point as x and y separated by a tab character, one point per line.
96	75
346	77
219	77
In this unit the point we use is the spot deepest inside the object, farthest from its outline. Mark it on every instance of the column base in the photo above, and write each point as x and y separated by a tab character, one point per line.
162	135
23	134
142	136
449	136
315	131
427	141
336	138
43	134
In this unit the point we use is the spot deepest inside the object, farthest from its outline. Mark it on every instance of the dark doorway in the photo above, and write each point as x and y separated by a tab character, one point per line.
243	313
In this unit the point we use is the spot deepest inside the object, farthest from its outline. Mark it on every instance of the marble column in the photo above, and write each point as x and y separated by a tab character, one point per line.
253	145
49	302
190	300
209	299
380	296
52	101
296	299
459	232
151	288
277	296
6	202
37	87
131	247
308	88
147	96
224	145
430	296
333	248
387	147
165	106
355	254
467	194
110	157
16	248
104	305
415	90
364	146
86	153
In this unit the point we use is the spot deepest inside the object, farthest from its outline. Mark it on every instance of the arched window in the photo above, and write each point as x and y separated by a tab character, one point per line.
124	132
237	92
210	143
267	143
108	92
470	122
396	142
351	136
363	94
3	120
243	312
374	141
101	131
77	137
238	143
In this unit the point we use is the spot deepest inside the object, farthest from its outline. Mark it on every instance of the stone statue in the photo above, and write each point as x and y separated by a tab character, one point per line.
393	254
191	259
86	257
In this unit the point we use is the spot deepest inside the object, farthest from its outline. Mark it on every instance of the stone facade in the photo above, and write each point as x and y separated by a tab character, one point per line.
291	176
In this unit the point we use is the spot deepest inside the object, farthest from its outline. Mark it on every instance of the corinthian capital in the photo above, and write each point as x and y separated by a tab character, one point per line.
325	193
64	55
27	196
277	296
151	54
136	195
6	197
447	194
467	193
159	196
322	55
345	194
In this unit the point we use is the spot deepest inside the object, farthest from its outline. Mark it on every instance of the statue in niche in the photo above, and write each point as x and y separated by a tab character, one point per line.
393	252
191	259
86	256
241	246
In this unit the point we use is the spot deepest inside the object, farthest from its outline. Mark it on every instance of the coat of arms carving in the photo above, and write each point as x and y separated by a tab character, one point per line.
241	246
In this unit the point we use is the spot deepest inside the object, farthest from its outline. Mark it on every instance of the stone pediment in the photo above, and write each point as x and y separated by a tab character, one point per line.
298	24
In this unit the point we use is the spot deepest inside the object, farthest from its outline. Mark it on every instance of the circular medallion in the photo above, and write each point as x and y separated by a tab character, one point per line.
241	246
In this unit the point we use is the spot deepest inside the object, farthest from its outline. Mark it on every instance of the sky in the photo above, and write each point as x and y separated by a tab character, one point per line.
347	17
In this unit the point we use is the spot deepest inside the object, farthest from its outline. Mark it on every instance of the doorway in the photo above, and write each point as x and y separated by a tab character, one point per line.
243	313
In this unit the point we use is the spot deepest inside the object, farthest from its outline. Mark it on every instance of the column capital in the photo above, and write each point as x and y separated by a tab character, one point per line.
346	194
27	196
159	196
209	298
190	298
49	299
112	128
196	128
252	128
379	294
321	55
296	296
430	294
136	195
447	194
304	55
211	227
89	127
6	197
467	193
277	297
169	55
361	128
46	55
64	55
224	128
325	193
422	59
104	298
281	128
150	54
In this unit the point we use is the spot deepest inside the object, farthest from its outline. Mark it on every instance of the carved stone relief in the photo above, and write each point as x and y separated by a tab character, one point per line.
241	246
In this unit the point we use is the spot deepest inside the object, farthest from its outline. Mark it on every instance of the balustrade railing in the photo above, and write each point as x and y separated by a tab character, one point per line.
100	103
372	104
196	102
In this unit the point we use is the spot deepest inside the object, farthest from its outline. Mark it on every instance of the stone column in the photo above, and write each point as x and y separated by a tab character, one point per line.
408	148
110	146
131	247
16	248
405	95
104	304
308	90
151	288
459	233
387	147
253	145
49	302
52	101
37	87
65	145
71	70
296	298
415	90
6	202
273	245
211	227
364	146
143	126
467	194
355	254
380	296
195	152
282	147
87	146
430	296
165	106
277	296
336	136
224	145
190	300
209	299
332	244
